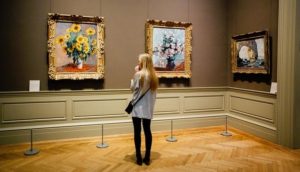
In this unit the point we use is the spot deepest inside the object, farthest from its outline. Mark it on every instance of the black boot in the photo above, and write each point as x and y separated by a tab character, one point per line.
139	159
146	159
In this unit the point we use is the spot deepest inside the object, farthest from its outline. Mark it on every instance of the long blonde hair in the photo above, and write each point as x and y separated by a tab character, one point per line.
147	71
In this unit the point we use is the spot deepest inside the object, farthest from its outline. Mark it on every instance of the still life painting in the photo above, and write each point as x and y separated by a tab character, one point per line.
75	47
169	44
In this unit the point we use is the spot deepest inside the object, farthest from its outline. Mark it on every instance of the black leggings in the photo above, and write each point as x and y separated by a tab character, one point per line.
137	136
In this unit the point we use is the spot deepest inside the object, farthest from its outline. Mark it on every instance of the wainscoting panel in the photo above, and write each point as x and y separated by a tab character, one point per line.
203	103
252	128
167	105
98	108
32	111
247	110
253	112
261	109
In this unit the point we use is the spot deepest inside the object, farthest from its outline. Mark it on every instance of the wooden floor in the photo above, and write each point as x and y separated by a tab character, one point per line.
201	149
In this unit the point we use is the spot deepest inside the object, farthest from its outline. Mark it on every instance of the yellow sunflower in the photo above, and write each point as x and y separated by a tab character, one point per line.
94	42
78	47
80	39
70	50
60	40
67	36
68	30
86	44
75	27
90	31
85	39
86	49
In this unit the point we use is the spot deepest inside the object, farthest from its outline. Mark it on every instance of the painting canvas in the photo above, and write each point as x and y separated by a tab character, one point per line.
169	44
76	47
250	53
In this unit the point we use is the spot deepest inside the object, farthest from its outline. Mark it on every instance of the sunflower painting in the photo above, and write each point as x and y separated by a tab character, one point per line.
76	47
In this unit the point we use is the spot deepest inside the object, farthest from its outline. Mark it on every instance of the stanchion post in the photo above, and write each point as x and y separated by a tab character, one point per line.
226	133
31	151
102	144
171	138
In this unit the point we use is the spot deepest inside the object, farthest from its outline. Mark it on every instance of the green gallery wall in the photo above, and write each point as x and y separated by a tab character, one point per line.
24	40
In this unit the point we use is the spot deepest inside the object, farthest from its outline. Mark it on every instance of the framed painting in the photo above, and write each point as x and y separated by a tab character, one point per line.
169	44
250	53
75	47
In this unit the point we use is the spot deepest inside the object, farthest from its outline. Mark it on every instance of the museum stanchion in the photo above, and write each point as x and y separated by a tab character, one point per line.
102	144
31	151
171	138
226	133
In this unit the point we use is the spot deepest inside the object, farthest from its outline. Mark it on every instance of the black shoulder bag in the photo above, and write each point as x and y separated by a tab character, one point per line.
130	104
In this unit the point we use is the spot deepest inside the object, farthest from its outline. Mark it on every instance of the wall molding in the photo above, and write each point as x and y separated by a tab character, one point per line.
181	104
269	118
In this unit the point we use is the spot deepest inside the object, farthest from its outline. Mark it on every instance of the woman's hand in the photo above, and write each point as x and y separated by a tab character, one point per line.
137	68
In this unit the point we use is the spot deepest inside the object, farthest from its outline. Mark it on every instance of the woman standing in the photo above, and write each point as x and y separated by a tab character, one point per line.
144	82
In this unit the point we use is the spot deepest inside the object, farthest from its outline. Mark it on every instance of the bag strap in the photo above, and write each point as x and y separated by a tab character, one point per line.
140	97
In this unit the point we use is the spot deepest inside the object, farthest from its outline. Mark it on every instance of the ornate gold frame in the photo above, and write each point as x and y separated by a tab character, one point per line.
150	25
236	61
98	73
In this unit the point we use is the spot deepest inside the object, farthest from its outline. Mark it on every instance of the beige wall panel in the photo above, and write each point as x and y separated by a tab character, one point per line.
66	132
193	123
252	128
99	108
167	105
33	111
248	110
261	109
203	103
13	137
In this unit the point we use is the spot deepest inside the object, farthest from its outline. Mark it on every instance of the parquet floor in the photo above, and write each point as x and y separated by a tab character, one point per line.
202	149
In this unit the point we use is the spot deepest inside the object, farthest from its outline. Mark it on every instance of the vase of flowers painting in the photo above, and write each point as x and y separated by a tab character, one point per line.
169	44
77	44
